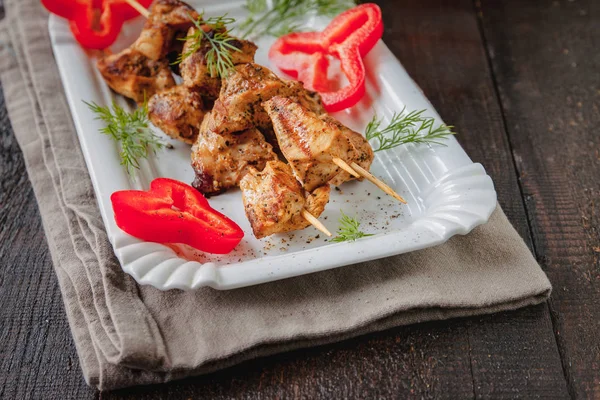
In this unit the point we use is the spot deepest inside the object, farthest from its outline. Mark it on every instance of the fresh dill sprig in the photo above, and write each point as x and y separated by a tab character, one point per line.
286	16
131	130
412	127
218	58
349	230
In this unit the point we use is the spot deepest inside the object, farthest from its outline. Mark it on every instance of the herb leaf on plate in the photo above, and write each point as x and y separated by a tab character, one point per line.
218	58
404	128
349	230
286	16
131	130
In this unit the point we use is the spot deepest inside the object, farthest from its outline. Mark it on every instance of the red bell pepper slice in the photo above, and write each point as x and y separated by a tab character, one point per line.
95	24
349	37
174	212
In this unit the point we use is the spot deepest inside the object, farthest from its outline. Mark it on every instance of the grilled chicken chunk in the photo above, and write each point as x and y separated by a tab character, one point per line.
178	111
309	142
134	75
246	87
296	92
195	71
274	200
168	21
221	160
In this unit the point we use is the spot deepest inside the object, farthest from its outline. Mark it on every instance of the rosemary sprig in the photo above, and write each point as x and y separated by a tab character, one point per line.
130	130
412	127
349	230
286	16
218	58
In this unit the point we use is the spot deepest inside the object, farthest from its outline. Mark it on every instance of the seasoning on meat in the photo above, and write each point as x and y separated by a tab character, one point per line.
221	160
246	88
134	75
195	71
309	142
178	112
274	200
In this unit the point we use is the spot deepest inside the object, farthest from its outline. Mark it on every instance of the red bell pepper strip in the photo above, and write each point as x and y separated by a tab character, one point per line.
174	212
95	24
349	37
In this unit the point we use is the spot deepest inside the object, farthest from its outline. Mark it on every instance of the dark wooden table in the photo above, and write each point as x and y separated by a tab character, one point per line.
521	82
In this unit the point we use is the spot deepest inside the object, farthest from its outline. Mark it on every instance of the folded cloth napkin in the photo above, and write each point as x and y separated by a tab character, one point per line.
128	334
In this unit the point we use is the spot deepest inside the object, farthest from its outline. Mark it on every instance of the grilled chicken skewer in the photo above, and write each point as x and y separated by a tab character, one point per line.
244	102
223	161
284	204
274	200
319	148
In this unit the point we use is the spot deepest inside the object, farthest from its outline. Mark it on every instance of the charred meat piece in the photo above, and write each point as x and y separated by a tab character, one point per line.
239	104
195	71
274	200
221	160
246	88
309	142
134	75
168	21
178	111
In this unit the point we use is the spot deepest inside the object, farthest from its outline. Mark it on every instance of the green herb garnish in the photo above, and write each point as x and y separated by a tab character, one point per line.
218	58
130	130
406	128
286	16
349	230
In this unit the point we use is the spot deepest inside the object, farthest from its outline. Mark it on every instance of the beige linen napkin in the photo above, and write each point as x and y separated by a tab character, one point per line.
128	334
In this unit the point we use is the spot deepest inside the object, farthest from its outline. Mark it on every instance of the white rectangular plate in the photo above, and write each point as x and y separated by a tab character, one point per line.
447	193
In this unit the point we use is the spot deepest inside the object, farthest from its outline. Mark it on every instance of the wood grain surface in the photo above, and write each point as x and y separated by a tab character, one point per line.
520	82
547	68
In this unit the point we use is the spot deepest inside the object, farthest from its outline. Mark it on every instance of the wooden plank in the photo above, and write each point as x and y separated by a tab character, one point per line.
425	361
37	355
545	56
439	44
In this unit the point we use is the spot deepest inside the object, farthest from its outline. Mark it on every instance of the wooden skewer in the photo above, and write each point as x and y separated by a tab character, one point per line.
138	7
366	174
377	182
315	222
344	165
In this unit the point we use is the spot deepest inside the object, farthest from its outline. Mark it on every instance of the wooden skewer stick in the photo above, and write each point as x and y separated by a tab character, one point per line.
138	7
315	222
377	182
366	174
344	165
